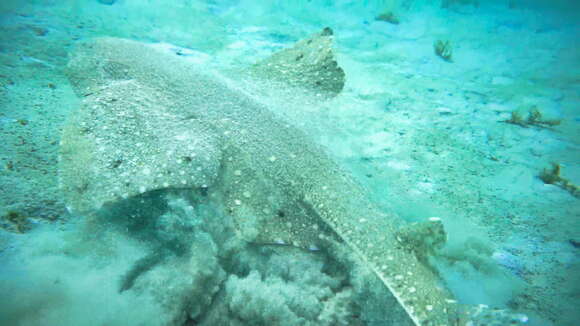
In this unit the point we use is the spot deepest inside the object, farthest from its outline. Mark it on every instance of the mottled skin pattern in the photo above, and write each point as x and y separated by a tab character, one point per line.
271	176
310	64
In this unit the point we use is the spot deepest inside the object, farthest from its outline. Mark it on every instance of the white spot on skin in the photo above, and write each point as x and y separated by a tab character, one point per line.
412	289
313	248
429	307
272	158
238	202
142	189
165	184
247	194
237	172
181	137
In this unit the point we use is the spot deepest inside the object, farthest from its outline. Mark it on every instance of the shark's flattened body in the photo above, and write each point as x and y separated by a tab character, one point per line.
207	133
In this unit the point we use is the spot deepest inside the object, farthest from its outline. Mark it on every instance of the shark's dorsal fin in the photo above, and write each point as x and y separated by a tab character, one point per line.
310	64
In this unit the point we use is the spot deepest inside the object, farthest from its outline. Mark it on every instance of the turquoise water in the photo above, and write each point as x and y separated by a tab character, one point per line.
289	162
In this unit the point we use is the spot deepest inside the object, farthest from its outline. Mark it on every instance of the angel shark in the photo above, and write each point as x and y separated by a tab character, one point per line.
152	120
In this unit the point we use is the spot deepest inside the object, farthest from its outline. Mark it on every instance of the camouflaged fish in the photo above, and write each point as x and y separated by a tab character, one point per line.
152	120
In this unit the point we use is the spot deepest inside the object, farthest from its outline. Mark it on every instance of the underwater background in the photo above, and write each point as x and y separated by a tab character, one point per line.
459	111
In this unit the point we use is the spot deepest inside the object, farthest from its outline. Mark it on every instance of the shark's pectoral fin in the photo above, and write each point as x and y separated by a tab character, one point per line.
123	143
310	64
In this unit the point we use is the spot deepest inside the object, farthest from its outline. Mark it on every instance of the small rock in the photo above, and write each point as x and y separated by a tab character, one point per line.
502	81
444	111
39	31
